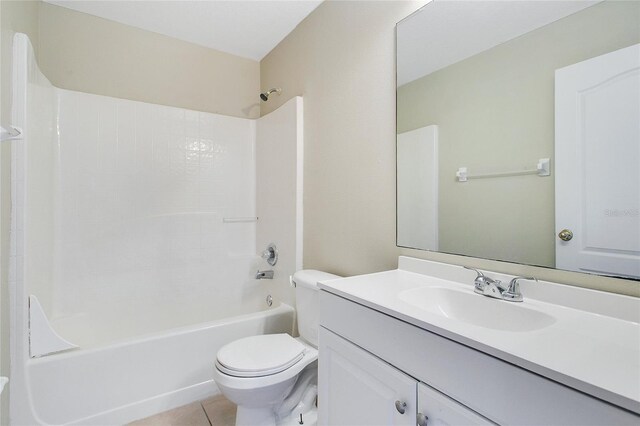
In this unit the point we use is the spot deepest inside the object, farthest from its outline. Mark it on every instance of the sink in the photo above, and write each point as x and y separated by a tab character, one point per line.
580	338
476	309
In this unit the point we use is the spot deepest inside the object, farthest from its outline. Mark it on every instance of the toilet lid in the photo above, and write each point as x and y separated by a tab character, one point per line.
259	355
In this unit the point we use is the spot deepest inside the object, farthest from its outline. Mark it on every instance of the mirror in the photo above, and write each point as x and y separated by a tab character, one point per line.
518	133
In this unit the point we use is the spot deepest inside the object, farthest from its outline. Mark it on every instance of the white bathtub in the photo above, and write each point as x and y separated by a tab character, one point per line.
139	377
131	258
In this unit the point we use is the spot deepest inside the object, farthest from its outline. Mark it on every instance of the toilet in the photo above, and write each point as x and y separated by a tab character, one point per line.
273	377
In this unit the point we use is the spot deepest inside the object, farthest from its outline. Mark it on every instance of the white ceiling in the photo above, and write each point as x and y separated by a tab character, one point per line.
245	28
445	32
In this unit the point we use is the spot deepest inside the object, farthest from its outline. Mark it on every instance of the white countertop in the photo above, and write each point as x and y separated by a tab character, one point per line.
593	345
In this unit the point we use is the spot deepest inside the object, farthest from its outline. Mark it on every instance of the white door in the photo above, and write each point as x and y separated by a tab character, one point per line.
598	164
417	171
357	388
437	409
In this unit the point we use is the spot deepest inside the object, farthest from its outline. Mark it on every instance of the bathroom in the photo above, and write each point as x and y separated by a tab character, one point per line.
340	59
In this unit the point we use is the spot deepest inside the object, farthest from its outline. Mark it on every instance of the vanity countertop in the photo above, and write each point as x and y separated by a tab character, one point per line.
591	343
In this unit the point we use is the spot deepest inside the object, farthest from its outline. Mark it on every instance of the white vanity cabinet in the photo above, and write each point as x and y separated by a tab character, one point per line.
357	388
368	360
436	409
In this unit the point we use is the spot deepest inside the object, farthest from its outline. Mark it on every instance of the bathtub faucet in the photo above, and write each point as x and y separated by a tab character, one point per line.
264	275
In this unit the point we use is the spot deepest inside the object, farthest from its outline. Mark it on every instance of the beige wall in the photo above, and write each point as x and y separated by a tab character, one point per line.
15	16
495	111
89	54
341	59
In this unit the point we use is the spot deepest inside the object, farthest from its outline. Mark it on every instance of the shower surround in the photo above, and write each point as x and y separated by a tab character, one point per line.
118	229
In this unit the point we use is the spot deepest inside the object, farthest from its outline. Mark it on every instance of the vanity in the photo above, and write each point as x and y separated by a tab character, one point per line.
416	345
491	165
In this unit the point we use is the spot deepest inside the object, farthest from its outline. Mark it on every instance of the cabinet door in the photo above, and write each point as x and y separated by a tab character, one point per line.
357	388
437	409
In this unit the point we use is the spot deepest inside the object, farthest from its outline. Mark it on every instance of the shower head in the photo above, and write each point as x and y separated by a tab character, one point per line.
265	95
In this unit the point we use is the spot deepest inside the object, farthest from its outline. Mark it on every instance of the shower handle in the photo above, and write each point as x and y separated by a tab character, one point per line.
271	254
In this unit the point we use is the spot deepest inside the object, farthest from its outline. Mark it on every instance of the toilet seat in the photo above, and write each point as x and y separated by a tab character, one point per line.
235	383
258	356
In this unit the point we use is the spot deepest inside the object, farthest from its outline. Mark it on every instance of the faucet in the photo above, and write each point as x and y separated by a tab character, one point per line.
264	275
512	293
487	286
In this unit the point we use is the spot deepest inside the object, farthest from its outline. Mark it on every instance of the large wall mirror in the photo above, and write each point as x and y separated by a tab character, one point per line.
518	132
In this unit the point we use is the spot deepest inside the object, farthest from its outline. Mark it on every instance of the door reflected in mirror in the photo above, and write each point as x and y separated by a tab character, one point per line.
518	120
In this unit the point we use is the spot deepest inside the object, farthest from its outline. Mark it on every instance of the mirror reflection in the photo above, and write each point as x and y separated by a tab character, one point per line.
519	133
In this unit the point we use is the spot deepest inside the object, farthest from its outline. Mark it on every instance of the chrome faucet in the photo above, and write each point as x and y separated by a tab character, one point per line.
512	293
487	286
264	275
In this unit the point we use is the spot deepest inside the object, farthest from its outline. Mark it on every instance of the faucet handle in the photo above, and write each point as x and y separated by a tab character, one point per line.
480	274
512	293
482	280
270	254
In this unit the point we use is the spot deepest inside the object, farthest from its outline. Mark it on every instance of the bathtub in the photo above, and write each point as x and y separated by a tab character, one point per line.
138	377
145	257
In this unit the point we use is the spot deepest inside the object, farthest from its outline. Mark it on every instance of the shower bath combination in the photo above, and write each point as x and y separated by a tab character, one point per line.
265	95
165	306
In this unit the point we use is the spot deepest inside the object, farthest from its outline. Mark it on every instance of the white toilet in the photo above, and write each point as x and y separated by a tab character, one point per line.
273	377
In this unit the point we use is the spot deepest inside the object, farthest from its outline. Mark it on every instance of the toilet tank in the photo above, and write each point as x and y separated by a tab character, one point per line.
306	282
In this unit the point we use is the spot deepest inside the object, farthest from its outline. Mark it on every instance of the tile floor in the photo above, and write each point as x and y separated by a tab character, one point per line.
215	411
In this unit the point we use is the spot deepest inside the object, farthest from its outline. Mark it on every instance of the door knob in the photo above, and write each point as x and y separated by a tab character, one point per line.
565	235
401	407
421	419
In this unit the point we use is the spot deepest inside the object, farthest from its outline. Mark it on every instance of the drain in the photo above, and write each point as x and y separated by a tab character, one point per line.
269	300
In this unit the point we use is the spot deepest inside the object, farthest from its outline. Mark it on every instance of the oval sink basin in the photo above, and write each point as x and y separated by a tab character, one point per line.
476	309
